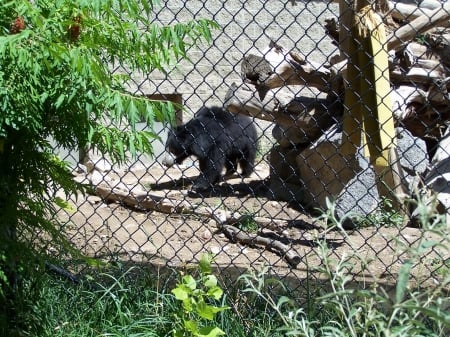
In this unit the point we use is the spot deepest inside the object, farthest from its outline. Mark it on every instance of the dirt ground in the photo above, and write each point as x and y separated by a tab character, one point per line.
112	231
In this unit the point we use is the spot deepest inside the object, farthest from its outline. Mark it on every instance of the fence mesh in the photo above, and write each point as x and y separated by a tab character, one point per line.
279	63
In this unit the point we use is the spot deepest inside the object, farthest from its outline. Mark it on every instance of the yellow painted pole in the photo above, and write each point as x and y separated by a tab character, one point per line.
368	118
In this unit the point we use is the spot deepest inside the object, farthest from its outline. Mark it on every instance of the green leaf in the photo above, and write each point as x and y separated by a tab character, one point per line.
437	314
210	331
207	311
180	293
402	282
178	333
191	326
215	292
189	282
210	281
60	101
64	204
205	264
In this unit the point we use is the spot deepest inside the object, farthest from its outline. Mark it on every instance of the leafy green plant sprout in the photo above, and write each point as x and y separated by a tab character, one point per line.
197	297
248	224
384	216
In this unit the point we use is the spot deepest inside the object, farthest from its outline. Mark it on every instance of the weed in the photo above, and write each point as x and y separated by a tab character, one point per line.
197	297
384	216
247	223
346	310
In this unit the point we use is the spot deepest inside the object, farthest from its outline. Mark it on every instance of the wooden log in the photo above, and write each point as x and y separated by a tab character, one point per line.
439	17
439	92
224	219
416	75
421	71
408	12
409	107
403	97
309	114
141	200
286	68
237	235
246	100
425	121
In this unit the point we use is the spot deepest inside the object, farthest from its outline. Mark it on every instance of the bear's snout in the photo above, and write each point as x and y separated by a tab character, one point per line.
168	160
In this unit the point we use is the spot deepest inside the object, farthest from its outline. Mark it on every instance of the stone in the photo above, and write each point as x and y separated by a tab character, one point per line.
282	163
284	191
328	174
413	158
289	137
285	181
438	178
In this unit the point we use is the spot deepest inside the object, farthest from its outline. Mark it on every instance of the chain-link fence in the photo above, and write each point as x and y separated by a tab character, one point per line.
250	191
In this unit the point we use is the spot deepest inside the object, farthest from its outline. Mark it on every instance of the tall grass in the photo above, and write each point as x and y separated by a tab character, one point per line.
413	307
134	302
119	302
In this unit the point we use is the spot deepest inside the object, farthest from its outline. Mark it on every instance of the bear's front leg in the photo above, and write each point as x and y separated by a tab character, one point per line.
210	171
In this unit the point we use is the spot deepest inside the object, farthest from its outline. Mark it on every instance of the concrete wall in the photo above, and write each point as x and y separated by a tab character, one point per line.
246	27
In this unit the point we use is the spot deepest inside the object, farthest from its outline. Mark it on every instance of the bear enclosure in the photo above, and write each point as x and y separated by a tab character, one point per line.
285	64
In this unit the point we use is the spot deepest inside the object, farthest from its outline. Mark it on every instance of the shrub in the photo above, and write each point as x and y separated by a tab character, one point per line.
56	82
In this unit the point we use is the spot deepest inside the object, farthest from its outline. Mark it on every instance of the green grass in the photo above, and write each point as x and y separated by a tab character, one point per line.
138	302
135	303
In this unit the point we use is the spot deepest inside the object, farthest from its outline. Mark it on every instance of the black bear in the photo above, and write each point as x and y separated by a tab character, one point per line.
219	139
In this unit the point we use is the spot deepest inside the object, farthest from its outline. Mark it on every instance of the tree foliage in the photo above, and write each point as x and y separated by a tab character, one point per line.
56	82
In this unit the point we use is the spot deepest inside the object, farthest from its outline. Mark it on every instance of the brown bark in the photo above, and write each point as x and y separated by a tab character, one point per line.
309	114
278	68
437	18
237	235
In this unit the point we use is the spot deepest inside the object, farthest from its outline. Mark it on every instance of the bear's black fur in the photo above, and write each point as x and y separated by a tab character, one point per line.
219	139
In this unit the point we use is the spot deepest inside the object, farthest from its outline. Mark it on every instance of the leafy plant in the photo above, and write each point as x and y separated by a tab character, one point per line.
384	216
247	223
57	82
197	297
343	309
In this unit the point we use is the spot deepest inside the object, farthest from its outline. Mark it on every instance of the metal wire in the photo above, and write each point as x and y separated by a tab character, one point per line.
152	215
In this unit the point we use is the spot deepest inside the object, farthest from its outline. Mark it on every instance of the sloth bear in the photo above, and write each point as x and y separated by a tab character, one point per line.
219	139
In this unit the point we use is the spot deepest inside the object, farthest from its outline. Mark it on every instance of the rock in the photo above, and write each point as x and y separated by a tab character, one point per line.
327	173
289	137
282	163
413	156
438	178
206	235
96	177
282	190
443	149
284	176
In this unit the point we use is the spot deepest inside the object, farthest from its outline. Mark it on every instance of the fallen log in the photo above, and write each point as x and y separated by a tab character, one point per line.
330	80
427	122
141	200
144	201
437	18
311	115
237	235
406	12
416	75
277	68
